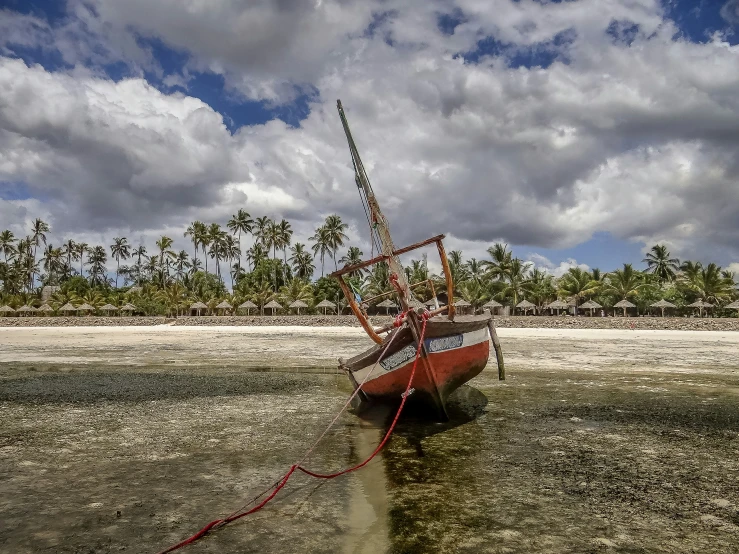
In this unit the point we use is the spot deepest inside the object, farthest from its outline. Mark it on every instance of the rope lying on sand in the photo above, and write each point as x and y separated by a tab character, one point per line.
279	484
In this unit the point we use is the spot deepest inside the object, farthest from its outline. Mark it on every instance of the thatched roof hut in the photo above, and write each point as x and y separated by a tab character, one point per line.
68	308
326	304
128	307
733	306
662	304
108	308
463	304
85	308
273	305
525	305
297	305
387	304
590	305
223	306
6	310
198	306
45	309
415	304
492	304
700	305
26	309
624	304
248	305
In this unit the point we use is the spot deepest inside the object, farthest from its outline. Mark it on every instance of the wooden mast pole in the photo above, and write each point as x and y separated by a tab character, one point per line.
377	220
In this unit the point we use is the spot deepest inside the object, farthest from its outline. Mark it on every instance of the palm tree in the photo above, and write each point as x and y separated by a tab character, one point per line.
96	259
578	284
710	285
165	255
241	222
302	261
690	270
660	264
322	244
335	234
259	229
82	248
296	289
624	283
119	249
256	254
181	263
516	276
193	231
352	257
139	252
231	251
70	251
52	262
39	229
173	297
272	238
285	233
501	261
215	239
7	238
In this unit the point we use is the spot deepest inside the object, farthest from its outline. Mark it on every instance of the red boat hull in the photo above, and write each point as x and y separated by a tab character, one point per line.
453	353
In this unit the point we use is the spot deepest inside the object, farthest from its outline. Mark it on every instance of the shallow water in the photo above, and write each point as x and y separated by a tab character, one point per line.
565	456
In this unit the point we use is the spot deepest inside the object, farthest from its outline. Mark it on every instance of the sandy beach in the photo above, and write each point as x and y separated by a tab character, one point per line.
131	438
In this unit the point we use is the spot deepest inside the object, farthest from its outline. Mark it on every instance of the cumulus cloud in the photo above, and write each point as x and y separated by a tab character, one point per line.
545	264
634	137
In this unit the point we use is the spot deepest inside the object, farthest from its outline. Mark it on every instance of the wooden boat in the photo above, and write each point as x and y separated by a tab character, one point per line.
454	349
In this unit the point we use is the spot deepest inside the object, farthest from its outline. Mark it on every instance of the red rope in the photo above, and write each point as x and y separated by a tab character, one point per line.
283	481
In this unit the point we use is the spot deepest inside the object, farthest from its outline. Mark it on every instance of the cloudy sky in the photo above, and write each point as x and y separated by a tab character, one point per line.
580	131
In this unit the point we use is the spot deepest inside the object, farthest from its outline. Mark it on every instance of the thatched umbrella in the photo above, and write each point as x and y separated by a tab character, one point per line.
108	308
557	305
67	308
590	305
415	304
326	304
128	307
462	303
387	304
733	306
25	309
45	309
248	305
86	308
432	304
525	305
273	305
6	310
700	305
198	306
297	305
492	304
224	306
624	304
663	304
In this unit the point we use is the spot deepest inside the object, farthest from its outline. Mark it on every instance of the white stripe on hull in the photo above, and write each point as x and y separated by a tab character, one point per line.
406	355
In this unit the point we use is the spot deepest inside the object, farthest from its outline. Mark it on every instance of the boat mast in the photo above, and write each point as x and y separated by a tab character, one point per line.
378	221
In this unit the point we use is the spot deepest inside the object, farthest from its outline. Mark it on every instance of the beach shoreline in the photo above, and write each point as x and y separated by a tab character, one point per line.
315	321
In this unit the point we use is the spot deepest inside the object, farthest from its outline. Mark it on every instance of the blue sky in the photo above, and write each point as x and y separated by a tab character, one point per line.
117	44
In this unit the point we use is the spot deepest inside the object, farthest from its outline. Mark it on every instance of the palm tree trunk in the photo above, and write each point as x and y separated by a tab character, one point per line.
117	269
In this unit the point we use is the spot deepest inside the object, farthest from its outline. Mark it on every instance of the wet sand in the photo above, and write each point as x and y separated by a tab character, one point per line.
130	439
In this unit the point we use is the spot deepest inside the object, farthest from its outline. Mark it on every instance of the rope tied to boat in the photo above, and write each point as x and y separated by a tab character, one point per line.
275	488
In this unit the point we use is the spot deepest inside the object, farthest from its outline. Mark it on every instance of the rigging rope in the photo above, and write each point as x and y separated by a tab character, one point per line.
238	514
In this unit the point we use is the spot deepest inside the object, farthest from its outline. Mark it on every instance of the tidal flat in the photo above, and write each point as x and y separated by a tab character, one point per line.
130	439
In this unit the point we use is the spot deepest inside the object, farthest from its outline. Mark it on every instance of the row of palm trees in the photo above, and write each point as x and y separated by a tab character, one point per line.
23	270
165	280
